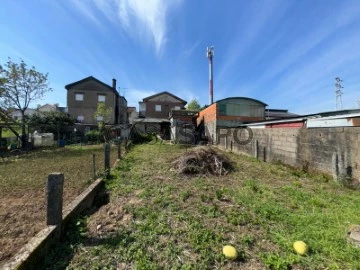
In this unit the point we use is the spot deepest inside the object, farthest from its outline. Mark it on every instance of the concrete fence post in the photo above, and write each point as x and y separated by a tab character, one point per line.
126	145
335	166
107	158
94	166
264	154
226	143
54	198
256	154
231	146
119	150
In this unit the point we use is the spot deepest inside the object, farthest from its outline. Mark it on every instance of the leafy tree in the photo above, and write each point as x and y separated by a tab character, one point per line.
19	86
193	105
58	123
102	116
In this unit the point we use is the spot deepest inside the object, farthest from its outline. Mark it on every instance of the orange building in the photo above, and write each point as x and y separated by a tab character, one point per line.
229	112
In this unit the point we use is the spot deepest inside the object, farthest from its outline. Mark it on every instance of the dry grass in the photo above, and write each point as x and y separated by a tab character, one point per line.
202	161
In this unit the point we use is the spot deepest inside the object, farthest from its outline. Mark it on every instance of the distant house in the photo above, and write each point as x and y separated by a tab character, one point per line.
159	105
131	114
83	97
16	114
155	111
229	112
51	108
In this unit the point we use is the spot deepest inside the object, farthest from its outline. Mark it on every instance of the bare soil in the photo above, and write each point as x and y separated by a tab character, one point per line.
22	189
22	216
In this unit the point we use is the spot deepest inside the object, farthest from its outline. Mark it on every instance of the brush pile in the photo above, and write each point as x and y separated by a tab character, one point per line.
202	161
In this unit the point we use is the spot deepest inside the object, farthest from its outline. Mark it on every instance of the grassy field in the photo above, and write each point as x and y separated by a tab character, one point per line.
22	184
157	219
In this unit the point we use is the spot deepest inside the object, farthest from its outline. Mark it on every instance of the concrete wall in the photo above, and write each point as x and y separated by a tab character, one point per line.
334	151
43	139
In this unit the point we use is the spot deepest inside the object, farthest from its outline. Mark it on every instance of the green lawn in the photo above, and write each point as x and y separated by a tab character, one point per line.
159	220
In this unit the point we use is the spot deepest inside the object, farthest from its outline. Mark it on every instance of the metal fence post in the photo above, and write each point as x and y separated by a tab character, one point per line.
54	198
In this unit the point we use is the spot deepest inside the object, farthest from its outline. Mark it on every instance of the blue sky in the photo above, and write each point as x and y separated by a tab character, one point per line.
285	53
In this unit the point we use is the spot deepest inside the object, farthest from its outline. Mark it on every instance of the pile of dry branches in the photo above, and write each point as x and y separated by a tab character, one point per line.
202	160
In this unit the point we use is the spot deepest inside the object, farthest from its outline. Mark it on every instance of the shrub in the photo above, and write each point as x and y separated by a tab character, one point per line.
94	136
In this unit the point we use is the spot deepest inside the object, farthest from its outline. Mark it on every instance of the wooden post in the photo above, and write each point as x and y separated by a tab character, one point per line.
107	159
54	198
231	146
94	166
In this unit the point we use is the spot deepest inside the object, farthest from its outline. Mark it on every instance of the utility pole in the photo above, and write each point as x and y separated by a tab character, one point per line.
210	55
338	93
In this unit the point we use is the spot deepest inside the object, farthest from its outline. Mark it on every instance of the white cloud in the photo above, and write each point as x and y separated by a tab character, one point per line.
259	16
87	11
192	48
147	17
133	96
144	20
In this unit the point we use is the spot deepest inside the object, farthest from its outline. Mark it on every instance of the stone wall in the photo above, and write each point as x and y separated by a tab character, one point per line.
334	151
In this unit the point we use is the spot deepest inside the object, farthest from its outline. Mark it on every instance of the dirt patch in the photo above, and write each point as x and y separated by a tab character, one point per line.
109	217
202	161
22	216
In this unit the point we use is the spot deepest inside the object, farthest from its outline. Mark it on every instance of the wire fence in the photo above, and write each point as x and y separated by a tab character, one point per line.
22	182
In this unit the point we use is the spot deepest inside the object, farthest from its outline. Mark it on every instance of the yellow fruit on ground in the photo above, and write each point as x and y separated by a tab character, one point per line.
300	247
230	252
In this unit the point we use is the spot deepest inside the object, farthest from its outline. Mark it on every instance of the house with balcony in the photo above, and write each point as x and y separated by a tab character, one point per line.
84	96
154	112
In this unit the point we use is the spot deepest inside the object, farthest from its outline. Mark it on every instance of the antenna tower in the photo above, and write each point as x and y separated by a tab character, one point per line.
209	55
338	93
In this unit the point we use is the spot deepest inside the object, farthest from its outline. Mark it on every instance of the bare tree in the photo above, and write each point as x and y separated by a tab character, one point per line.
19	86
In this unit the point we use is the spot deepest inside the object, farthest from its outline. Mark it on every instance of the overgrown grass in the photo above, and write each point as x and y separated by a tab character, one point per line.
163	221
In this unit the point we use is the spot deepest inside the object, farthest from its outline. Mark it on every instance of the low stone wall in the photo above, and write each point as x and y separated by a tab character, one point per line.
39	245
333	151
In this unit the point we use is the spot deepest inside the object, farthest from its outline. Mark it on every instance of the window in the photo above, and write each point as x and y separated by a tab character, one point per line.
157	108
101	98
177	108
99	118
80	118
79	97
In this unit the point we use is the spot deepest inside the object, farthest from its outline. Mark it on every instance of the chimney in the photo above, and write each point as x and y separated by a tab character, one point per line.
114	83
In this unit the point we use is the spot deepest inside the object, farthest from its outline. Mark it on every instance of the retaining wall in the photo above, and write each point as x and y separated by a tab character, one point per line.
28	256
